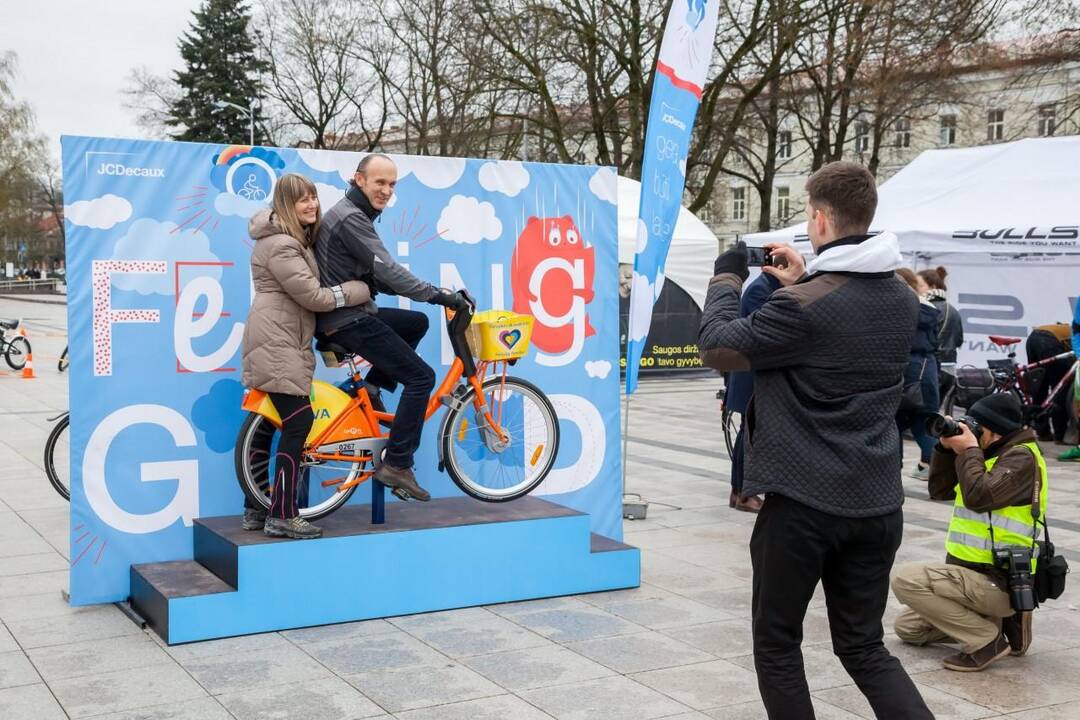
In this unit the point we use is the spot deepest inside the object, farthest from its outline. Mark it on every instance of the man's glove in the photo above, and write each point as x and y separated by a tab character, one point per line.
735	261
454	301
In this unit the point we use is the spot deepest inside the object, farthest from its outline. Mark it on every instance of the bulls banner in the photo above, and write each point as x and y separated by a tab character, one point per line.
159	287
685	55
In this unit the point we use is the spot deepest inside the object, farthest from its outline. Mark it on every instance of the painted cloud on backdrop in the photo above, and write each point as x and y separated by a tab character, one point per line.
604	184
100	213
467	221
597	368
148	239
228	204
508	178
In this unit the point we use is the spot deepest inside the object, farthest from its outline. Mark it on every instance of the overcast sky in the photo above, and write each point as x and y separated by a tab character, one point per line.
75	57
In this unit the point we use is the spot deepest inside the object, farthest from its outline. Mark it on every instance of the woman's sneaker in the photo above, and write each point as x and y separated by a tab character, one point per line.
921	472
296	527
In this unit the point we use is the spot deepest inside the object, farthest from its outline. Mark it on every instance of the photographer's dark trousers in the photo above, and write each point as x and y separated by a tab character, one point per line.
388	341
793	547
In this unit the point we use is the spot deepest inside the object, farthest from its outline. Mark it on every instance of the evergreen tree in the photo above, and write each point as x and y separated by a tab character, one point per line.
219	64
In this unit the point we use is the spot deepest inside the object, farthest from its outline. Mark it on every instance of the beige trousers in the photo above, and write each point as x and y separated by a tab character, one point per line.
948	603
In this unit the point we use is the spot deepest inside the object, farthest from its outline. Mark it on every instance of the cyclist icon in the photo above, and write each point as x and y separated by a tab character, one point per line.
251	190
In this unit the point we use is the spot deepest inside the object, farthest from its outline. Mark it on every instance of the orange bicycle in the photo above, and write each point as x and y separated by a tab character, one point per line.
497	441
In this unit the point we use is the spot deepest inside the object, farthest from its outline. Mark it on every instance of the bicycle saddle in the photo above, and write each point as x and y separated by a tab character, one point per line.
1003	341
9	324
331	347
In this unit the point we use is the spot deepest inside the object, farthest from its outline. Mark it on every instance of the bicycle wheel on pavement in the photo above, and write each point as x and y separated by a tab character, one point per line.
493	468
63	363
58	457
17	352
256	463
732	422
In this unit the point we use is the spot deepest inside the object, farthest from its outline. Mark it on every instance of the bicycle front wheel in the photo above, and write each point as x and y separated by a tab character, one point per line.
58	457
497	468
318	492
17	352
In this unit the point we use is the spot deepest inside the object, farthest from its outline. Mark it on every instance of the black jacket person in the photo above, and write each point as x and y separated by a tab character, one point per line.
828	351
349	248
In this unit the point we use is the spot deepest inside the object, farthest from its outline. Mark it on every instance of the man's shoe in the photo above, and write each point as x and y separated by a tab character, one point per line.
1071	454
921	472
980	659
1017	630
402	482
296	527
254	518
750	504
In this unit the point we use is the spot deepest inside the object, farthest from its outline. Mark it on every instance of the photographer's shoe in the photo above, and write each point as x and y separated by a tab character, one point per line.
921	472
980	659
297	528
1017	630
1070	455
254	518
402	482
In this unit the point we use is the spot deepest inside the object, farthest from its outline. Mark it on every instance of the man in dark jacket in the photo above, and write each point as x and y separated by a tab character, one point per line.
992	480
828	351
740	388
349	248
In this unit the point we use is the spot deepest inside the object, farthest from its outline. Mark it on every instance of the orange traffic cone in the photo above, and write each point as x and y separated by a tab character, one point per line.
28	368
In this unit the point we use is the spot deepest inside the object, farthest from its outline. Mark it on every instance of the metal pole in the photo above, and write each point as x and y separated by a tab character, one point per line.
625	441
251	124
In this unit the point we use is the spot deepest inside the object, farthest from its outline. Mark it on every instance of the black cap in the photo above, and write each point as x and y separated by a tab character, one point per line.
1000	412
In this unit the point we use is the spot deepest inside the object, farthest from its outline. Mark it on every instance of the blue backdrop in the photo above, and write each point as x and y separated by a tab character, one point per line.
159	287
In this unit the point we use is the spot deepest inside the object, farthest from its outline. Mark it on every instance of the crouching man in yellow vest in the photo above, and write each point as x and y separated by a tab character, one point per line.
998	483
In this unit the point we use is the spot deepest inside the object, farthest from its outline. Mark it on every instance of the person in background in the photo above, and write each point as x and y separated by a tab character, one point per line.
950	328
277	356
921	368
1046	341
1073	453
740	387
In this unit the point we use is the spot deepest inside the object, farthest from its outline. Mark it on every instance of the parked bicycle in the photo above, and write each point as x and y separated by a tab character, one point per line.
14	347
498	439
1006	375
58	456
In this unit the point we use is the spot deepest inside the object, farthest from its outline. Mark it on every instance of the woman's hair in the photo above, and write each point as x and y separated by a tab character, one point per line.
291	189
908	276
935	278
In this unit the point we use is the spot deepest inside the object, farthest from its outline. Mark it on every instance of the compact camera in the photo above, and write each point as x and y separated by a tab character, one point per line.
940	426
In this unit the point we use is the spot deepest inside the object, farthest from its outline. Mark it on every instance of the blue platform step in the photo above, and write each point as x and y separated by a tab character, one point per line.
447	553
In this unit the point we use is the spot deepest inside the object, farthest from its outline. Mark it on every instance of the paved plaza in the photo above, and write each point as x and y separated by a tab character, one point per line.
677	647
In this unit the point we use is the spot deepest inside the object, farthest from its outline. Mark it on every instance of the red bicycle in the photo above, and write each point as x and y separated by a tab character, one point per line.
1007	375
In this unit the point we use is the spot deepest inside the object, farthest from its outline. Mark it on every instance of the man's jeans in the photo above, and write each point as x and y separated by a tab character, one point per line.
792	548
388	341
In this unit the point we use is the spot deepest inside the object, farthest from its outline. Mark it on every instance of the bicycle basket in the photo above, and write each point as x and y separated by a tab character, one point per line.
500	334
972	384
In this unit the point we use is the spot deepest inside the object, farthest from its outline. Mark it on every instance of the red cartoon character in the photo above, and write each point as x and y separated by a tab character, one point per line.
551	278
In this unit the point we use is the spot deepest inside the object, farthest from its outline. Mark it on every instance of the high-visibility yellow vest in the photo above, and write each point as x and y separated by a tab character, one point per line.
969	532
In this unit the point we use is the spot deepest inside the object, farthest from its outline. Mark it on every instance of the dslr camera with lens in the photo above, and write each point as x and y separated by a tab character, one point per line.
1017	565
940	426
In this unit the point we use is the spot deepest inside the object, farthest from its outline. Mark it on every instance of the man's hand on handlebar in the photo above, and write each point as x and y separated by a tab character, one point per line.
455	301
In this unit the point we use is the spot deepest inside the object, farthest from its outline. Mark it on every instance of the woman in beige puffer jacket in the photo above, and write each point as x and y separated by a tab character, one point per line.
277	355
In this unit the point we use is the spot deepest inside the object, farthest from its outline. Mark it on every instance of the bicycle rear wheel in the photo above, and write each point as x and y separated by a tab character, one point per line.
318	492
496	469
732	422
17	352
58	457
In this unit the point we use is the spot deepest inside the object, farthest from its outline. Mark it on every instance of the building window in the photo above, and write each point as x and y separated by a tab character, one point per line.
995	125
738	203
902	133
783	202
862	137
948	130
783	145
1047	120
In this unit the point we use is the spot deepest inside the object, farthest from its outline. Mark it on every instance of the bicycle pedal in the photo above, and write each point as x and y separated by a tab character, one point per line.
401	493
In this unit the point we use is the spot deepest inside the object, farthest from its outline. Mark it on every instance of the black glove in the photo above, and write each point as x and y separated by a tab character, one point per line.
735	261
454	301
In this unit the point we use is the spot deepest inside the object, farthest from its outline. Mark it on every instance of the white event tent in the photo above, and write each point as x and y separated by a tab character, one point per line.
693	244
1004	220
